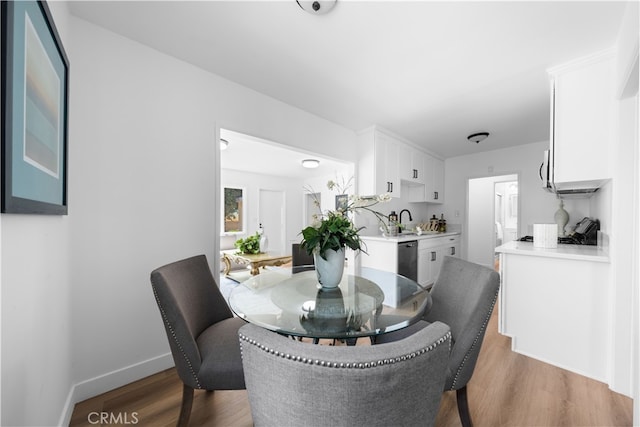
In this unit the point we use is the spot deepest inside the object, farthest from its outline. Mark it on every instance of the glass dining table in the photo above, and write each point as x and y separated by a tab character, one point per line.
366	303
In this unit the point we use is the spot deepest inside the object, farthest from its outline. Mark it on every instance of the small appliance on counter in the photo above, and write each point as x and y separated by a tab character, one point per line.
585	233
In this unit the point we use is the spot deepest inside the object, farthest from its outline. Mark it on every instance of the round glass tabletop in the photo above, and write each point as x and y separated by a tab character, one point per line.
367	302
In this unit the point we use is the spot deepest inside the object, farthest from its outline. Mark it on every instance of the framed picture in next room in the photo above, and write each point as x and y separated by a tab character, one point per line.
35	81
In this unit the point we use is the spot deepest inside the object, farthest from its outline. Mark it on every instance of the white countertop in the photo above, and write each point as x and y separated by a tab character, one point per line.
573	252
406	238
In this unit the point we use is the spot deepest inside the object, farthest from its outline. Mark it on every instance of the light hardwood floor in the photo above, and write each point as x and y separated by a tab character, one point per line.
507	389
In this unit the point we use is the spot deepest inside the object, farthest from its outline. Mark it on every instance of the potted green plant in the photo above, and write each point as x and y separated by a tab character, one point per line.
334	230
249	245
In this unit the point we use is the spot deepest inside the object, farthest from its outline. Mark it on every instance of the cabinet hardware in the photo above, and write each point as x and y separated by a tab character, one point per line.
453	250
433	256
435	195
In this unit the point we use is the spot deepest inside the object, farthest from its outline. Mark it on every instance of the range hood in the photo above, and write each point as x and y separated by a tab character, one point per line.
577	189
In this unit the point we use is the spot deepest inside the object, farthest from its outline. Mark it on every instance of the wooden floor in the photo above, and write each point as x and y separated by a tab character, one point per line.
507	389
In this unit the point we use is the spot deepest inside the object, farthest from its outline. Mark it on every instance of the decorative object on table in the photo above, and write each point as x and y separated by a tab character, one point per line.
330	267
249	245
35	81
332	231
561	217
264	242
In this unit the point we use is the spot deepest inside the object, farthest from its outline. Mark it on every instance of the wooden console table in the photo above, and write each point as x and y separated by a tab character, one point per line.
256	261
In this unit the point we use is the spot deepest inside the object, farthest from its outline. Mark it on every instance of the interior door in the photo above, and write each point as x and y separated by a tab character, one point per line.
272	216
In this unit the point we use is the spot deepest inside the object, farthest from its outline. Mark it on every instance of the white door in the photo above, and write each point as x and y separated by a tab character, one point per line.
271	214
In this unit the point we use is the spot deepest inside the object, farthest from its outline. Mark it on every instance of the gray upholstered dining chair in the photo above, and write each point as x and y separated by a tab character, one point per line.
463	297
300	259
202	331
292	383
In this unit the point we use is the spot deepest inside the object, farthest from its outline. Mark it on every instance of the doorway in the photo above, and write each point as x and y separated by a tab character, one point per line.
492	216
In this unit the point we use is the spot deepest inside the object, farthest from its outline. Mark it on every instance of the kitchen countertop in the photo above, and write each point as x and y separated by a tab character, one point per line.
408	237
573	252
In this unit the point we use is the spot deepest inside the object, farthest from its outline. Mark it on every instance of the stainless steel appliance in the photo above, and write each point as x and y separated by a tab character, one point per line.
408	259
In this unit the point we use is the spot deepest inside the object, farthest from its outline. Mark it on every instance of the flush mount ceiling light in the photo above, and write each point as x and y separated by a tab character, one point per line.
223	144
477	137
316	7
310	163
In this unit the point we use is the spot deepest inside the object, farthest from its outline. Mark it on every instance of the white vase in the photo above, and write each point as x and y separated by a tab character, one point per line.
562	218
330	270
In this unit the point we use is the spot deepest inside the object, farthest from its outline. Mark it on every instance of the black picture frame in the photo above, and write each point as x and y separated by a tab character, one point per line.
35	99
342	201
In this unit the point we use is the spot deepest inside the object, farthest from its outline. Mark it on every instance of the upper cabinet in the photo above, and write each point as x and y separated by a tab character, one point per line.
388	164
378	165
582	106
435	181
412	165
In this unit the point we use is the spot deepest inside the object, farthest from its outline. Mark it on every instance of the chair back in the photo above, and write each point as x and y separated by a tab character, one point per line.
189	301
300	259
293	383
463	297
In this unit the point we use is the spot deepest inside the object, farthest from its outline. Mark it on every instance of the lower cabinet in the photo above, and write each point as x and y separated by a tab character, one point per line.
431	252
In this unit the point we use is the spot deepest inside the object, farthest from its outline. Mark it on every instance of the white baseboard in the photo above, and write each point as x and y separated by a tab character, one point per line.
112	380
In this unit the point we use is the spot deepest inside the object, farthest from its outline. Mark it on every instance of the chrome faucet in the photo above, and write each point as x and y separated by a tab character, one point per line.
400	217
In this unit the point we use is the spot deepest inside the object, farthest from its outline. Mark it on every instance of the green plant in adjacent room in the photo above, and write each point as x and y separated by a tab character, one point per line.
249	245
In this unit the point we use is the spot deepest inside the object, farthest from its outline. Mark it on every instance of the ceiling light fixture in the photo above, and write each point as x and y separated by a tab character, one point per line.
223	144
477	137
316	7
310	163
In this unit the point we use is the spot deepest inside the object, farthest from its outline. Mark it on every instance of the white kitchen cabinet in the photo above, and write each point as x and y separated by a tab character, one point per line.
382	254
554	305
431	252
434	191
412	166
582	107
378	165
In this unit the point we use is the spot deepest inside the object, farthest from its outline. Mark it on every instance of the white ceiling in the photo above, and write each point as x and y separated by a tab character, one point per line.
251	154
432	72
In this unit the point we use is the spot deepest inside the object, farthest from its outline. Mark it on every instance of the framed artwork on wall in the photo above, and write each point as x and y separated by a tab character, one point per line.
342	201
35	86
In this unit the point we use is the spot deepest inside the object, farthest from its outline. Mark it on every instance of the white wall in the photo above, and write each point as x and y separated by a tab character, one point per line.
623	196
536	205
36	308
143	191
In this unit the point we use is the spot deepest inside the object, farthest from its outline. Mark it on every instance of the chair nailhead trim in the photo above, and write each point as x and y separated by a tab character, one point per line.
175	338
475	341
346	365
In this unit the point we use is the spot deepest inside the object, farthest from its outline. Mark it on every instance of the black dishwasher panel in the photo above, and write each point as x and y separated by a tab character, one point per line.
408	259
